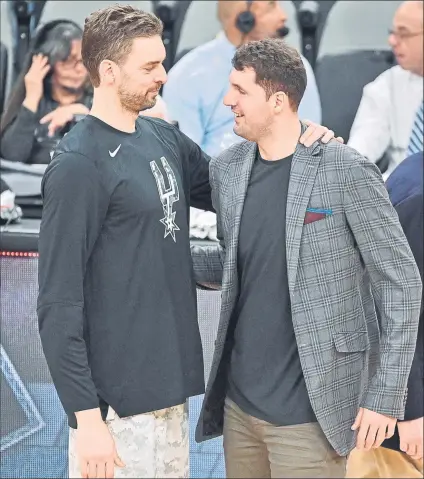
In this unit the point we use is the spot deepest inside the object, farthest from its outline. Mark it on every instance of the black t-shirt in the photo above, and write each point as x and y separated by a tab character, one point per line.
265	377
117	301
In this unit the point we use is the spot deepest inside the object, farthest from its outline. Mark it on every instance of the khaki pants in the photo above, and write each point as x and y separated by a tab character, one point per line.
150	445
257	449
382	463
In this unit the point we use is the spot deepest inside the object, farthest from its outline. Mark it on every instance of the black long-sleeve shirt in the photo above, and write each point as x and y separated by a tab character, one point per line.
117	302
26	140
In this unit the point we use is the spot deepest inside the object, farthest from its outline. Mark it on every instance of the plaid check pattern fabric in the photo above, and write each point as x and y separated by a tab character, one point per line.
338	269
416	140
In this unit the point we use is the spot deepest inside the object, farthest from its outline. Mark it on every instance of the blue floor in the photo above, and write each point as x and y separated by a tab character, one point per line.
44	453
206	458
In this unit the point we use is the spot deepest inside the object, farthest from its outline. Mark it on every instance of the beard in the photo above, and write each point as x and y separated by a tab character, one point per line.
135	102
253	132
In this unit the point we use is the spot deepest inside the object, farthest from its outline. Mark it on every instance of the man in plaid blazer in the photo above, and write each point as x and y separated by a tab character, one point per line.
309	248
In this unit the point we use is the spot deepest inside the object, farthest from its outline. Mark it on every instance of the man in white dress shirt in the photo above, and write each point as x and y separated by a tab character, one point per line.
389	118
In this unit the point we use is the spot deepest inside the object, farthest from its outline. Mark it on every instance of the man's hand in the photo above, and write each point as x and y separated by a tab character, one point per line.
62	115
96	449
373	428
315	133
411	437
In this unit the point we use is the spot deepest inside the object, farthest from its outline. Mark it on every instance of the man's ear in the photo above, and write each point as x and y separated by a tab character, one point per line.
107	72
280	101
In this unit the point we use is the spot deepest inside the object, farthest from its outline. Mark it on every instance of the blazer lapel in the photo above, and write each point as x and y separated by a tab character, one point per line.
302	176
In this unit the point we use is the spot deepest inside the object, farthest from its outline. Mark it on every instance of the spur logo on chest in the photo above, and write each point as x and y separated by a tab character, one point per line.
168	194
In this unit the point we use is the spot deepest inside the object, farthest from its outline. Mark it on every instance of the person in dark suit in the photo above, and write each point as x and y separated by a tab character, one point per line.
402	454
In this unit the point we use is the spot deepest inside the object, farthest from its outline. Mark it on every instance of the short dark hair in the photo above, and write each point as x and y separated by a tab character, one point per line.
278	67
109	34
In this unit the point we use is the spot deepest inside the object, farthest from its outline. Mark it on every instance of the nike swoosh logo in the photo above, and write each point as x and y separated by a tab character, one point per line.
113	153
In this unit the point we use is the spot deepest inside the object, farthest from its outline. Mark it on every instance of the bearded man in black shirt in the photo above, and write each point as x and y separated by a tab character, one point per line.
117	299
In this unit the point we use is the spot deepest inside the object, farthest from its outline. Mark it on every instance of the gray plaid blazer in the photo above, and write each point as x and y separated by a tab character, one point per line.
340	270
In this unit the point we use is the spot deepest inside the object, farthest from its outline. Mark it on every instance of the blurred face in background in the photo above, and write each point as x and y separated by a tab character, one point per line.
70	73
406	36
269	17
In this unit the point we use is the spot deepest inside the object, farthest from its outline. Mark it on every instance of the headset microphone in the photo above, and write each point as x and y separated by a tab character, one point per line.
245	22
283	32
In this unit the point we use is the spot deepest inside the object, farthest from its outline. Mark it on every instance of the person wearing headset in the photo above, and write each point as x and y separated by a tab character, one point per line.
198	82
50	94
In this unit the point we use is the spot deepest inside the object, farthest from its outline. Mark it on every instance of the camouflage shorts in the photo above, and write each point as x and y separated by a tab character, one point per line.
150	445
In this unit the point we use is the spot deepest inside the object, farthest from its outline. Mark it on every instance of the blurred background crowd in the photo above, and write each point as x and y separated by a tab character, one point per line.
364	61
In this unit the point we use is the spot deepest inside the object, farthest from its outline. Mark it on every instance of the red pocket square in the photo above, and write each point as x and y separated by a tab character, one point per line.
310	217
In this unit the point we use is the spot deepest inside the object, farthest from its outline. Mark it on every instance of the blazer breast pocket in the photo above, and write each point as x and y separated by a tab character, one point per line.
328	226
312	215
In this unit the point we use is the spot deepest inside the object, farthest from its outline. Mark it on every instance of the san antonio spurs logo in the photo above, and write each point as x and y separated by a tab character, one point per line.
168	196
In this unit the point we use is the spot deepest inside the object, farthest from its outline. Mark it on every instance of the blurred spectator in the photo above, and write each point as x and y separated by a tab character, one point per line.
9	211
390	115
198	82
50	93
408	180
